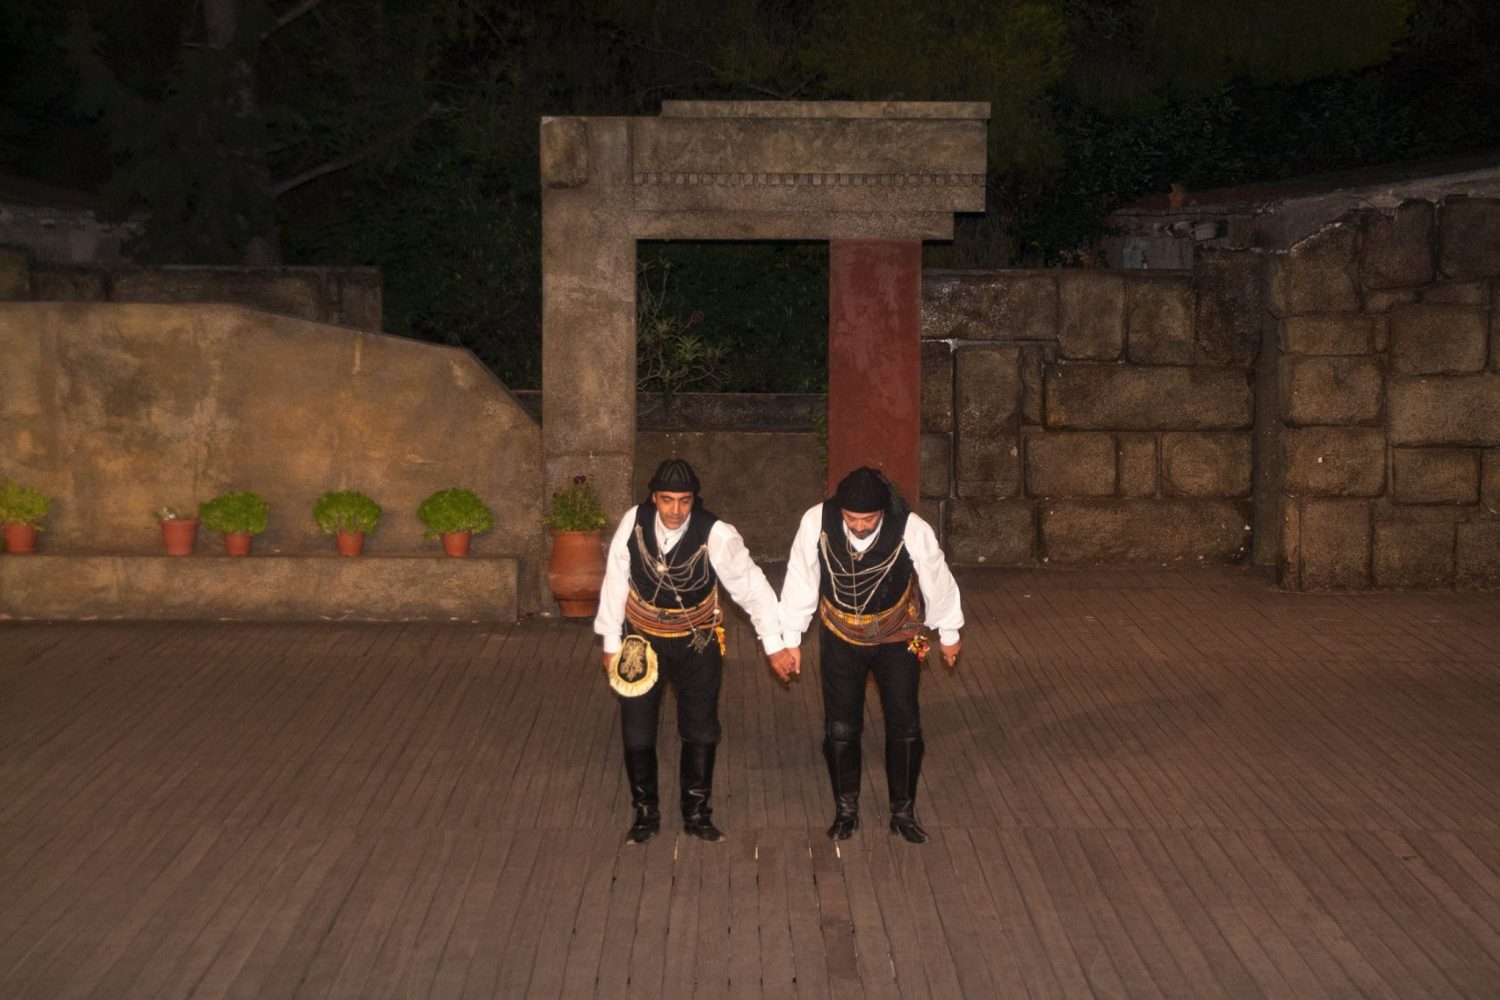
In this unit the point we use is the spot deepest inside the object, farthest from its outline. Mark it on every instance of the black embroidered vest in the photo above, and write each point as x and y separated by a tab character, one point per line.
836	557
648	582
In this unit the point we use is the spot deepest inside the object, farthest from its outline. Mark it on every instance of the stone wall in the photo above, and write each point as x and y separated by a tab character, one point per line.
1388	399
1091	416
345	296
116	410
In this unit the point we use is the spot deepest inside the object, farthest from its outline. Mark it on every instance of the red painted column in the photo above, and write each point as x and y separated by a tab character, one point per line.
875	359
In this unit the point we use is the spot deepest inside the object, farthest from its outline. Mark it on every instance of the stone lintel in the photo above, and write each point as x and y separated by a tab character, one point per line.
803	150
791	225
827	109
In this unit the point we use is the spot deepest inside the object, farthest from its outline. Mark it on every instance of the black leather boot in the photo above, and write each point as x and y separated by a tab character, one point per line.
903	764
843	758
640	769
697	789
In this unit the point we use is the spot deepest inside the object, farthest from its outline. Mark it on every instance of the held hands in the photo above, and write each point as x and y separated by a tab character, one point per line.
609	661
950	654
787	663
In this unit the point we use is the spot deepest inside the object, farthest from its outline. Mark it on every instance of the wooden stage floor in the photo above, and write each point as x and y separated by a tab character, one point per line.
1140	784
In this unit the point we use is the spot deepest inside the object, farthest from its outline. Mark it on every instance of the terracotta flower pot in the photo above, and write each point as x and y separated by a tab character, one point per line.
351	543
180	535
576	572
20	538
237	543
456	543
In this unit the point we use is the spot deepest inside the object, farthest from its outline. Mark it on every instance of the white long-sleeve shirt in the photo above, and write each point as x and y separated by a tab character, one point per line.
799	594
731	561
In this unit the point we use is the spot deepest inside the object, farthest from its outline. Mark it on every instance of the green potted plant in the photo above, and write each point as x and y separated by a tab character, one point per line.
576	570
239	515
179	530
22	511
455	514
347	515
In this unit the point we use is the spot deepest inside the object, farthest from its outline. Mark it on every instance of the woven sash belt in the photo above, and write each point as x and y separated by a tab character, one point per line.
902	622
671	623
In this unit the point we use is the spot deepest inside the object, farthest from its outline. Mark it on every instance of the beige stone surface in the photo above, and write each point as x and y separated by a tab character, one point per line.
937	387
1435	475
1034	360
429	587
1328	333
1413	555
991	532
1334	461
1398	247
1332	550
1229	287
1438	339
1206	464
1378	301
1159	320
937	465
987	459
116	410
989	305
1435	410
1085	396
1469	238
1489	483
1070	464
1138	465
1318	274
1091	314
1458	293
1141	531
1477	556
1318	390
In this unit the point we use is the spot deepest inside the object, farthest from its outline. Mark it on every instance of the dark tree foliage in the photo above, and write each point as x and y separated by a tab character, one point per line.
404	134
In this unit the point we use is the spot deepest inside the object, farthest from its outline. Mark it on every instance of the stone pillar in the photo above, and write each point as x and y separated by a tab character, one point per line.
588	308
875	359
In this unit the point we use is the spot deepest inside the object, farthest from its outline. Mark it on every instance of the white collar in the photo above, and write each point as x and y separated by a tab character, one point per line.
861	544
667	539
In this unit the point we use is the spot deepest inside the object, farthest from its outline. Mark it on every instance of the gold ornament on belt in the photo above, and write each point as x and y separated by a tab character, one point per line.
634	670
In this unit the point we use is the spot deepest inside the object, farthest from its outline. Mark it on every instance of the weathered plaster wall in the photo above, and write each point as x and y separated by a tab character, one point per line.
1091	416
1388	409
115	410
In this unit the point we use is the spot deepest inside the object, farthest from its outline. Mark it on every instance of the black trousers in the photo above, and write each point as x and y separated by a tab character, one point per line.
696	676
846	667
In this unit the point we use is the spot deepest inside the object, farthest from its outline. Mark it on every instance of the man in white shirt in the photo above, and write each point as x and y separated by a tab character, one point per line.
661	582
875	575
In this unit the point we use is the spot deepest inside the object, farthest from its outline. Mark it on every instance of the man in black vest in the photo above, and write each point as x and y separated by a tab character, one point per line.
661	582
875	575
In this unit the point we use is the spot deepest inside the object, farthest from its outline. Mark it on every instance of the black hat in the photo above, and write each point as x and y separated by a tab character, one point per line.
675	476
863	491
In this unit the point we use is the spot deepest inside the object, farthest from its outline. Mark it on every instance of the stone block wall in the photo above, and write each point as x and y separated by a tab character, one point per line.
115	410
1091	416
1388	399
344	296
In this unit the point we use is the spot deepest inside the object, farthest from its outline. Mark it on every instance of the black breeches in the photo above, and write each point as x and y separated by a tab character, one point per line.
696	677
846	667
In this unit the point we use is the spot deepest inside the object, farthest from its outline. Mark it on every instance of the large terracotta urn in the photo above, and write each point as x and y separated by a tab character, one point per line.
576	572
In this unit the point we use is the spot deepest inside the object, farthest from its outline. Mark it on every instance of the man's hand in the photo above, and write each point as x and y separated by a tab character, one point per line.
609	661
787	663
950	654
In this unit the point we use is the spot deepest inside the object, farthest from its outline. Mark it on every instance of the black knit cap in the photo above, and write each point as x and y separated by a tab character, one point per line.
675	476
863	491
